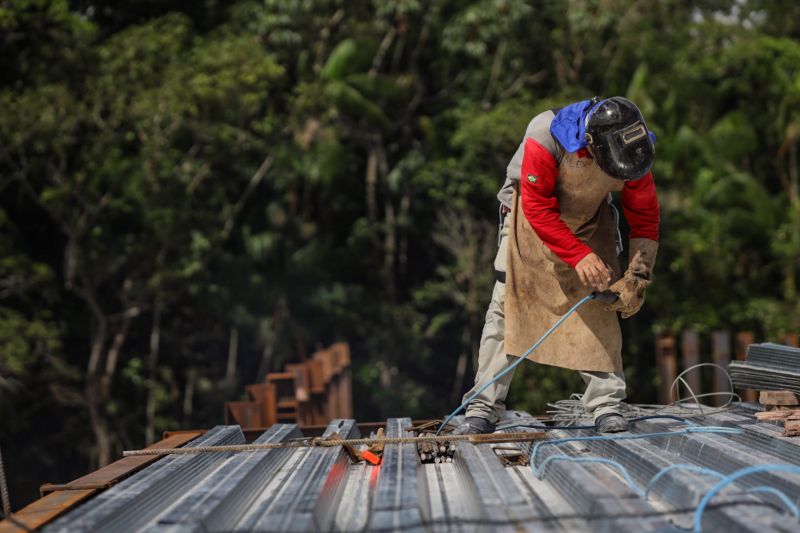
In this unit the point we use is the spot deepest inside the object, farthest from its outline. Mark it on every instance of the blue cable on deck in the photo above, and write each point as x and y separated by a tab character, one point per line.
704	429
691	468
781	496
539	473
727	480
517	362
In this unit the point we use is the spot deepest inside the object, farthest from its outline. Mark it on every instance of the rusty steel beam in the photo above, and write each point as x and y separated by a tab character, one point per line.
59	498
44	510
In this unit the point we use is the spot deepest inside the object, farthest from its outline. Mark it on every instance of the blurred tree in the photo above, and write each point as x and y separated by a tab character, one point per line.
195	193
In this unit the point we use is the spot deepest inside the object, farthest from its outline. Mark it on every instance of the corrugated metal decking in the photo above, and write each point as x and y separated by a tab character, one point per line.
768	366
306	489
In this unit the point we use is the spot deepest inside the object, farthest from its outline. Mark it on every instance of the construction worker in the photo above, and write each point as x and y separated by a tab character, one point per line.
559	240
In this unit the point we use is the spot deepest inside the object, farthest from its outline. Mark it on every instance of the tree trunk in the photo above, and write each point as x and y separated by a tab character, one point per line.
271	341
188	396
497	65
112	356
233	352
390	221
98	391
152	365
372	184
102	434
402	256
94	403
461	370
389	250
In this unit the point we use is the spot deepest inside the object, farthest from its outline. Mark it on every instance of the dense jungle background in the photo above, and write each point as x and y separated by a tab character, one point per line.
194	193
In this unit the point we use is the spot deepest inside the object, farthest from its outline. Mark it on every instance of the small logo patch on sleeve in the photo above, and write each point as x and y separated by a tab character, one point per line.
532	178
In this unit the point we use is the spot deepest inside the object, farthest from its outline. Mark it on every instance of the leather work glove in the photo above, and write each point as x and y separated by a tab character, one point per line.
631	287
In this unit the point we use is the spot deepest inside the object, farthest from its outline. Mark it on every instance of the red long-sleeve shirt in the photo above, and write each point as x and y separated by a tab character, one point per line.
541	208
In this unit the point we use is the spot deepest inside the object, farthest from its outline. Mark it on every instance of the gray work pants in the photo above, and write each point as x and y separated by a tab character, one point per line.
604	390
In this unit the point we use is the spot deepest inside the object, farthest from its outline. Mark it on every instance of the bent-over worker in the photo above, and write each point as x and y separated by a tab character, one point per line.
559	240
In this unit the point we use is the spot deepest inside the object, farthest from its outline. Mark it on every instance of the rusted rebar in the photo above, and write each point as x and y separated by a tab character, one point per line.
494	438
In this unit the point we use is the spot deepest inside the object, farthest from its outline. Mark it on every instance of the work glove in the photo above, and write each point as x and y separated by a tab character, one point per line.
630	290
631	287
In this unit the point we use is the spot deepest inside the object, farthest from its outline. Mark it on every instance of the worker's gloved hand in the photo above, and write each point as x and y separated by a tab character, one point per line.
632	286
630	290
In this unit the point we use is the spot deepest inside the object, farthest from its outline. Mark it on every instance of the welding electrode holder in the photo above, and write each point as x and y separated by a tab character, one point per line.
607	297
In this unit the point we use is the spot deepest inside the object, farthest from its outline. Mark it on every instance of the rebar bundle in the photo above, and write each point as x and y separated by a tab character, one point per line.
436	452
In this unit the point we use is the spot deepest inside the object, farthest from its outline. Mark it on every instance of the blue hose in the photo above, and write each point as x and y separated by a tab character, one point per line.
521	358
686	467
727	480
539	472
693	429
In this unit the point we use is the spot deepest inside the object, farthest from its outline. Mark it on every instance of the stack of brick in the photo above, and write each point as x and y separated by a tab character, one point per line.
782	407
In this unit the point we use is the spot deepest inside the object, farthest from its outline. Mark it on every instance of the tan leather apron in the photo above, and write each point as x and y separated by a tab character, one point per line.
540	287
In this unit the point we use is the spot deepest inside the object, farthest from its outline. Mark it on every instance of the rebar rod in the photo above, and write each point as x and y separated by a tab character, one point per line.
475	439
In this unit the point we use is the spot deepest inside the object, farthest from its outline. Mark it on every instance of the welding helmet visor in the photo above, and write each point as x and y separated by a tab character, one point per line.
619	139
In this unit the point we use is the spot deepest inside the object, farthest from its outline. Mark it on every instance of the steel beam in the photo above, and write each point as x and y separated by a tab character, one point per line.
401	499
136	501
308	497
218	502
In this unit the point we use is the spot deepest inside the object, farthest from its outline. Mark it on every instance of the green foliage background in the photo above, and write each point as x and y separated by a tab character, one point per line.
184	181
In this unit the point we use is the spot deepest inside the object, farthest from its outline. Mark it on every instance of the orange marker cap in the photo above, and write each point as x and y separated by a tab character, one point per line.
370	457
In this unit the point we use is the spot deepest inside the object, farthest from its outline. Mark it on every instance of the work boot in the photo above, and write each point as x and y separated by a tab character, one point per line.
610	423
474	425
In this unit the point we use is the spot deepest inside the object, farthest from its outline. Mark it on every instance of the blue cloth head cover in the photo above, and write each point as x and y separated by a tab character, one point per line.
569	125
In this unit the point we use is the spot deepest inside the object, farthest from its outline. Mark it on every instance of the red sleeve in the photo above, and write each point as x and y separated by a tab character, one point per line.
640	205
540	205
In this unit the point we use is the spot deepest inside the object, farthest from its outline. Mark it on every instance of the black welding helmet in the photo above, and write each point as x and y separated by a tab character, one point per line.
619	139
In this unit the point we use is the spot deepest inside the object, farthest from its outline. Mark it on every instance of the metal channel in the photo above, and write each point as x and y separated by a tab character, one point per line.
681	490
453	502
726	455
353	512
136	501
275	488
774	355
557	511
764	436
678	490
217	503
504	507
750	376
561	514
597	492
721	453
400	501
309	497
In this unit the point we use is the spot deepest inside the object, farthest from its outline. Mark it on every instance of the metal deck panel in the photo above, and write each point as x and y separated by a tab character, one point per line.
318	489
312	495
218	501
131	504
400	500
